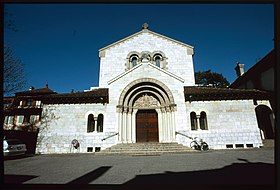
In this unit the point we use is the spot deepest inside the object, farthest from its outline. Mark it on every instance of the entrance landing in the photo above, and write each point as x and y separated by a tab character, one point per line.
151	148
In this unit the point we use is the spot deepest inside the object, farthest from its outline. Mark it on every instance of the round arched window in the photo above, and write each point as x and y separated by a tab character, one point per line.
134	61
157	60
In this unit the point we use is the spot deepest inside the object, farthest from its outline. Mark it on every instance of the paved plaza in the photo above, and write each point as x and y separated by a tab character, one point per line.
214	167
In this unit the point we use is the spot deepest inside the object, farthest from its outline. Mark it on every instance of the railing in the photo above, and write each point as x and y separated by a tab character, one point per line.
183	135
109	136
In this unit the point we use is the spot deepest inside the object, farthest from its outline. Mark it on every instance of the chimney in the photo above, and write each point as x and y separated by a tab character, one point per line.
31	88
47	85
239	69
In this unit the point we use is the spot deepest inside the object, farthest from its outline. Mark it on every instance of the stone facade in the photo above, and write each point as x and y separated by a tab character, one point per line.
147	71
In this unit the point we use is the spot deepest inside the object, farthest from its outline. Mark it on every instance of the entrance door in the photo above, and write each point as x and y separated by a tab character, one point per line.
146	126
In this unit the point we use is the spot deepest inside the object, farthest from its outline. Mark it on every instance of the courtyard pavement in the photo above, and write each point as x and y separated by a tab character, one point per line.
248	168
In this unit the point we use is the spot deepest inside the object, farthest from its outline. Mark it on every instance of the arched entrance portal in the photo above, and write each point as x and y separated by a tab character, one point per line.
146	112
147	126
265	121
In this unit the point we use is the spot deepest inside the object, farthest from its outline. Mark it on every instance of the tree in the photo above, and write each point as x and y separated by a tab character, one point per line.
209	78
14	76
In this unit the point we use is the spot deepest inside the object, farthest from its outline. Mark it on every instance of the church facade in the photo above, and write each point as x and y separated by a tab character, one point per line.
147	93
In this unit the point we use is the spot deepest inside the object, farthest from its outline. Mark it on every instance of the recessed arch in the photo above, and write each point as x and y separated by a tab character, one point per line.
162	89
265	121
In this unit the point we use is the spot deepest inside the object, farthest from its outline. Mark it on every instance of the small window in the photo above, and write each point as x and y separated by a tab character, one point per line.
6	121
203	121
193	121
29	102
157	60
134	61
20	119
33	119
97	149
89	149
11	120
100	123
239	146
90	126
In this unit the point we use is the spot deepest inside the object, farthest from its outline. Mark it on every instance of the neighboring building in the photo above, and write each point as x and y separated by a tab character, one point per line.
24	110
147	93
261	77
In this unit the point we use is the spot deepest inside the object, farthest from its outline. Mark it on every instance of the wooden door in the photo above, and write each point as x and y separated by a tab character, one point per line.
146	126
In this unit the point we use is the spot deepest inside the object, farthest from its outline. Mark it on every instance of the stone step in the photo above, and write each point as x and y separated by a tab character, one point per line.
145	149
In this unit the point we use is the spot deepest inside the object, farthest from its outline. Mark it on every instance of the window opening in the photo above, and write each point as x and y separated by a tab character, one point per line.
90	127
100	123
203	121
157	60
193	121
134	61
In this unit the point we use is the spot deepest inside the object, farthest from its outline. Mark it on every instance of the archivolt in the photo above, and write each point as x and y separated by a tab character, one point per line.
146	85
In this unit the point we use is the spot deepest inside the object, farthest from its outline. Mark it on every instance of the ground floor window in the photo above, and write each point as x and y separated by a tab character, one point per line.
203	121
90	125
100	123
198	121
193	121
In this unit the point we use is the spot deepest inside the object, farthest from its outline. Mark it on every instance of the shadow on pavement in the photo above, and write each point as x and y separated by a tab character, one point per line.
259	175
91	176
18	157
17	179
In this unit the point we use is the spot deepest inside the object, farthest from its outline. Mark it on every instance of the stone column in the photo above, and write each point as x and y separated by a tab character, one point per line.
133	126
160	133
198	123
169	123
173	138
120	124
164	125
124	125
95	124
128	126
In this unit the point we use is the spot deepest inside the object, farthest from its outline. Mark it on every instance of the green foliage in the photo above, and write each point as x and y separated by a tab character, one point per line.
209	78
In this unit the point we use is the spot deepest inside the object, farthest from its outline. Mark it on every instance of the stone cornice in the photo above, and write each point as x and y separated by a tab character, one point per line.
142	32
142	64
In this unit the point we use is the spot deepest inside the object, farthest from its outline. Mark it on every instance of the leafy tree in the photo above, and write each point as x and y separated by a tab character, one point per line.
14	76
209	78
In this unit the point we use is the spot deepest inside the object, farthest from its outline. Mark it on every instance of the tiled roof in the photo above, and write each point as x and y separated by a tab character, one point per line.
195	93
35	92
95	96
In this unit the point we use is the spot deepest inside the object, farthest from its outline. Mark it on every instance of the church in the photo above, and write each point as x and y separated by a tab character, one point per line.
147	93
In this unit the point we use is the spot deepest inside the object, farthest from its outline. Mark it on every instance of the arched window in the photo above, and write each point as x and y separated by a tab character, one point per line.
193	121
100	123
203	121
134	61
90	125
157	60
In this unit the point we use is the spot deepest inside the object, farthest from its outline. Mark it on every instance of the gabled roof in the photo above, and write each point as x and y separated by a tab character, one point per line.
141	32
196	93
94	96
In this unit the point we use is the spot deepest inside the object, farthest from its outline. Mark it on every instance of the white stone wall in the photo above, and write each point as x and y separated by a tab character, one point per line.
230	122
66	122
179	63
147	71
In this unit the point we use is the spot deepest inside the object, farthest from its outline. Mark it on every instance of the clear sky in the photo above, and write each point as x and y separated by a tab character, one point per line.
58	44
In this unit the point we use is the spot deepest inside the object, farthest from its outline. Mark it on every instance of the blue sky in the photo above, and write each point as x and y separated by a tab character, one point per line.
58	44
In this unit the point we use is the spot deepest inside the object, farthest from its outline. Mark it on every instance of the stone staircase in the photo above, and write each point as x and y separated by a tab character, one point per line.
268	143
142	149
